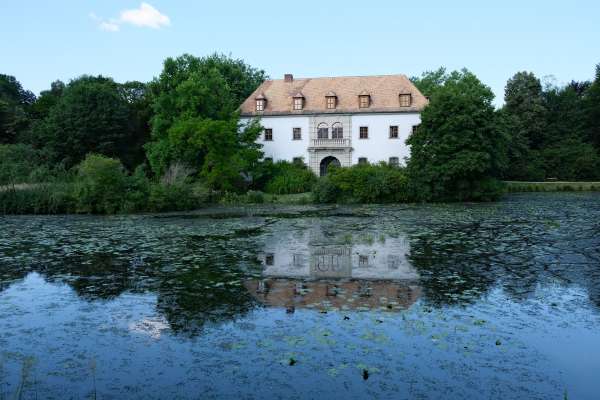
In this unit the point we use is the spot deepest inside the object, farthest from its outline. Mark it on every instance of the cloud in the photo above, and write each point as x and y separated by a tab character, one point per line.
145	16
109	26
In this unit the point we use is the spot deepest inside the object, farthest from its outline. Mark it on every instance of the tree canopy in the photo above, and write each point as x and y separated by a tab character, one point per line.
456	152
195	120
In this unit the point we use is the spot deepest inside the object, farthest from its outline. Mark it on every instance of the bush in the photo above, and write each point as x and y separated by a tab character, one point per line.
366	183
49	198
100	185
324	191
284	177
17	163
175	197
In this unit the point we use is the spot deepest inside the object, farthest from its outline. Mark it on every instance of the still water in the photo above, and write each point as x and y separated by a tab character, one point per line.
481	301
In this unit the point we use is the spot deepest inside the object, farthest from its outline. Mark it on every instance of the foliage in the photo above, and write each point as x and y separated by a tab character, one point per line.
90	116
591	106
456	152
362	183
100	185
18	162
430	81
15	105
47	198
289	178
195	120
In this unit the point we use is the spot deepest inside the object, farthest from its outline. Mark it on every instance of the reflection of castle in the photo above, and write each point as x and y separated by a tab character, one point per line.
308	269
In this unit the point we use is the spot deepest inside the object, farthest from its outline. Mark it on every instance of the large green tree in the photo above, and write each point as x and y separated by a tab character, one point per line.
457	152
592	110
524	117
15	105
91	115
429	81
195	120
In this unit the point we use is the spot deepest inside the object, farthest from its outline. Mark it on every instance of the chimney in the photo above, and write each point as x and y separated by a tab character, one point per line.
288	78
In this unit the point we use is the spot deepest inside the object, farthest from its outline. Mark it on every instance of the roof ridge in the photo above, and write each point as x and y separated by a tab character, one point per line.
341	76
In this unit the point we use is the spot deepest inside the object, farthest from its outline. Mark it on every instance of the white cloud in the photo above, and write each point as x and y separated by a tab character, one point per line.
109	26
145	16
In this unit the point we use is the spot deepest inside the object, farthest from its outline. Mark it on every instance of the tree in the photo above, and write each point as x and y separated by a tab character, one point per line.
524	116
92	115
456	152
15	104
195	119
592	110
138	99
429	81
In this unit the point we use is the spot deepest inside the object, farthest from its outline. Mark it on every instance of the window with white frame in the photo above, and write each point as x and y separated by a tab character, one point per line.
323	131
297	134
363	132
268	134
337	131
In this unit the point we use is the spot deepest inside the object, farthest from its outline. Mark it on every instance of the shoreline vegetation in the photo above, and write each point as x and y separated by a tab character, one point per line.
95	146
60	198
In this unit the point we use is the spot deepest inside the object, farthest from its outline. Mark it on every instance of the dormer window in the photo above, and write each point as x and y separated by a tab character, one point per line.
331	100
364	99
261	102
405	100
298	101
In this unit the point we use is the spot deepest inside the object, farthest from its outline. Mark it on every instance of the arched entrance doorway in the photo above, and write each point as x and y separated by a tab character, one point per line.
328	162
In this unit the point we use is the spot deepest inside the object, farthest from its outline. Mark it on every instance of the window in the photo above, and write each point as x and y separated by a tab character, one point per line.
405	100
337	131
322	131
297	260
364	101
363	261
394	132
268	134
331	102
297	134
414	128
393	261
269	258
298	103
362	160
394	161
260	105
363	132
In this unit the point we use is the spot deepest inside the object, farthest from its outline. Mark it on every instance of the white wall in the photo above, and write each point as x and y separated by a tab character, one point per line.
283	147
379	146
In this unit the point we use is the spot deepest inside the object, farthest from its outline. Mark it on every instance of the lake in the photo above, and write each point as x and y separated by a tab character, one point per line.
459	301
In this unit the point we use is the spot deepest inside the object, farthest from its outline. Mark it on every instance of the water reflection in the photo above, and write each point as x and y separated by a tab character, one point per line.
319	268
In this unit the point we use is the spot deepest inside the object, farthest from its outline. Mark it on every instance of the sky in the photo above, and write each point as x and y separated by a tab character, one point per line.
42	41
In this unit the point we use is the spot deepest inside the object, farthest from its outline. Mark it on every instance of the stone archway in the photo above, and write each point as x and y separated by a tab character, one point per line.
328	162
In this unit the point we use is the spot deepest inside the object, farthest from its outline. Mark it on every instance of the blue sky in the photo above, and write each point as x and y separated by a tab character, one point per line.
62	39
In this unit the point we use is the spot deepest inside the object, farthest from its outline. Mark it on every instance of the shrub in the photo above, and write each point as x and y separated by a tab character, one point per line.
49	198
364	184
175	197
17	162
324	191
284	177
100	185
255	197
137	191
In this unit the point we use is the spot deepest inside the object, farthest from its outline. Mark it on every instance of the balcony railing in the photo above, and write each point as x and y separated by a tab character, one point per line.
331	143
